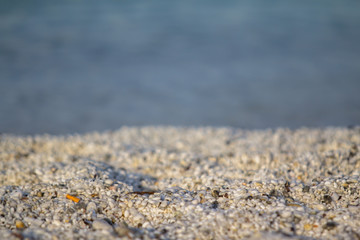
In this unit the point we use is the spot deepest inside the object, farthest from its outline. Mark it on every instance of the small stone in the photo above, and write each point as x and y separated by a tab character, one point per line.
287	186
202	198
327	183
126	213
19	224
40	194
17	194
215	205
80	205
109	181
91	207
215	193
319	207
139	217
273	193
335	196
327	199
286	214
121	229
306	189
163	204
330	225
258	184
293	205
101	224
308	227
36	222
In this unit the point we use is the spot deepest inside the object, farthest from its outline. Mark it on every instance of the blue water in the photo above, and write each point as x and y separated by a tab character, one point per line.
78	66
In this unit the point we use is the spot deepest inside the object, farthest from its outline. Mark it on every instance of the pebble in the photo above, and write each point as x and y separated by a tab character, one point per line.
286	214
19	224
319	207
101	224
335	196
109	181
163	204
91	206
306	189
17	194
121	229
126	213
330	225
308	227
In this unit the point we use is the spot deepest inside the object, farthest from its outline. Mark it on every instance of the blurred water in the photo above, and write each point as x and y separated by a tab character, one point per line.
77	66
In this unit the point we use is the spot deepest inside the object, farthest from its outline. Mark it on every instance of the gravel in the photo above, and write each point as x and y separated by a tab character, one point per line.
182	183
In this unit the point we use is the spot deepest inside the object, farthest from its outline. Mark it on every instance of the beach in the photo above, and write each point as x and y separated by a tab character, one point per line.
182	183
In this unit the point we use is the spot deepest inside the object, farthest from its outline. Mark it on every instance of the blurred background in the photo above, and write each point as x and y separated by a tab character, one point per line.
79	66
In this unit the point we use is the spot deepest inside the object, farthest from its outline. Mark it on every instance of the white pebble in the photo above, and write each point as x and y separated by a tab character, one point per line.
109	181
100	224
91	207
286	214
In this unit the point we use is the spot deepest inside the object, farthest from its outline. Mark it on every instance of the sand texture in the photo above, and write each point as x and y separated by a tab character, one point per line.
182	183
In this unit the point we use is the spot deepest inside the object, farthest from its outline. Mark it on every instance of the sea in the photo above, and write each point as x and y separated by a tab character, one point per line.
81	66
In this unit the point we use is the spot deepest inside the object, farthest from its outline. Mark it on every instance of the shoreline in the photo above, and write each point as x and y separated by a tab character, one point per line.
182	183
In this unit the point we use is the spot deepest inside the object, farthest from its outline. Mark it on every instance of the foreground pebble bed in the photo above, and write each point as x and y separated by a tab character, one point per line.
182	183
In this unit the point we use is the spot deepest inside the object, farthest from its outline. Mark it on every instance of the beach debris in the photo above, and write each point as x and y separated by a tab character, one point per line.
72	198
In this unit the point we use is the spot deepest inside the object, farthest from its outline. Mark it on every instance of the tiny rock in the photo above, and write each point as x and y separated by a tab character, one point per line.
101	224
19	224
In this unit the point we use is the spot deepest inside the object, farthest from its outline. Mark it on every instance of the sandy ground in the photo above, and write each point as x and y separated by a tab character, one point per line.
182	183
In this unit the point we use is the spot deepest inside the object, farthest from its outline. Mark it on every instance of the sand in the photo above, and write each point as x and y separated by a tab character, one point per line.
182	183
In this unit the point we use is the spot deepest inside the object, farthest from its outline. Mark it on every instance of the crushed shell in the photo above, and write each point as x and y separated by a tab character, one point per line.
182	183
